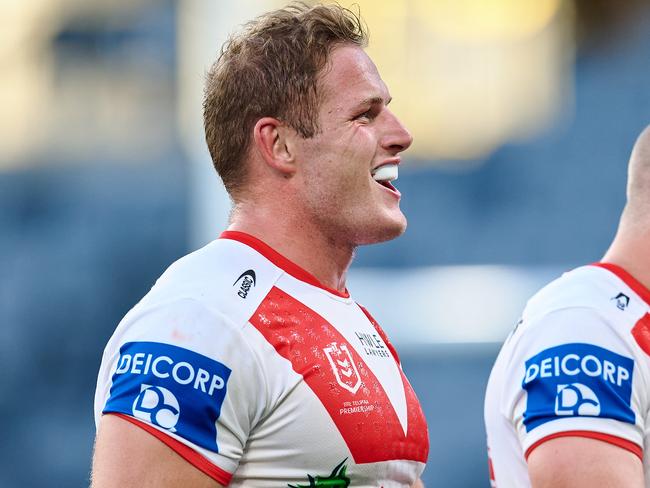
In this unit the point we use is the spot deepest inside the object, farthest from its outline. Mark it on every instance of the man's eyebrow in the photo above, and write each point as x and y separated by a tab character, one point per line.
374	101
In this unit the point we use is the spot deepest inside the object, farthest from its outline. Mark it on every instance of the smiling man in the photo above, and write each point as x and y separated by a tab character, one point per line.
248	363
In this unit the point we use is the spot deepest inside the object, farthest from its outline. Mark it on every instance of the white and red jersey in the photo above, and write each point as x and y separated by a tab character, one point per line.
259	376
577	364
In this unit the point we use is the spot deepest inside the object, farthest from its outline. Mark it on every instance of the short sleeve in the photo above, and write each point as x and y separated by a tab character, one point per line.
572	373
187	375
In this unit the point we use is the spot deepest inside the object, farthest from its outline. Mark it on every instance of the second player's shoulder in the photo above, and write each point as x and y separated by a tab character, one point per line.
586	295
587	315
574	363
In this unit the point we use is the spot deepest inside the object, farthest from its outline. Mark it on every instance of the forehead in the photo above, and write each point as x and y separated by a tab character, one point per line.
351	76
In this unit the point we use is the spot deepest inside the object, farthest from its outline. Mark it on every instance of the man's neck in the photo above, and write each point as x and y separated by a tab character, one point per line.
632	253
300	241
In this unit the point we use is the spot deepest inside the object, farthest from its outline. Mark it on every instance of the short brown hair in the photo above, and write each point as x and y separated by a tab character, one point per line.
271	69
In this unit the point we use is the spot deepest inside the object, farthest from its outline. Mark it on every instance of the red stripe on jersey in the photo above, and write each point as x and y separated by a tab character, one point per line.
628	279
490	468
610	439
190	455
641	333
279	260
372	431
408	389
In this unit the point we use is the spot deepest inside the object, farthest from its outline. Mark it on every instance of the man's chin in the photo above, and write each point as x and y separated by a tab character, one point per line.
387	231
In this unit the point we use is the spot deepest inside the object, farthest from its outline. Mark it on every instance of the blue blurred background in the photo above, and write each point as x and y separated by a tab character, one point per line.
524	114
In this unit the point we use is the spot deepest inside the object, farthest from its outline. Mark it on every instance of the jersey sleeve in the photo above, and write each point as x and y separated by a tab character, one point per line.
186	375
574	374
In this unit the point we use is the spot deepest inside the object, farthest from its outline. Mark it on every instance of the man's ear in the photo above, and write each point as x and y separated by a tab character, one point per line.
272	142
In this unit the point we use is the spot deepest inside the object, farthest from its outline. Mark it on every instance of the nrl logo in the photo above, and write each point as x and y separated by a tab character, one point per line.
343	366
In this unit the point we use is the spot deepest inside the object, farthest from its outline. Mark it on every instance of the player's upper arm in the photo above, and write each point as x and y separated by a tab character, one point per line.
127	456
578	462
186	377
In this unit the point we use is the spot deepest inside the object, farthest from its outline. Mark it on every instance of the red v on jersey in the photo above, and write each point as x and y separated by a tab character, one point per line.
350	392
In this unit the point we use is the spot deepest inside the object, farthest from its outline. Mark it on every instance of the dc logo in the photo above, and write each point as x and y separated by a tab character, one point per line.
576	399
157	405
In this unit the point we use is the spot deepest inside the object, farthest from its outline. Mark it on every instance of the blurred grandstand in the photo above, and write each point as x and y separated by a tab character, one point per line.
524	113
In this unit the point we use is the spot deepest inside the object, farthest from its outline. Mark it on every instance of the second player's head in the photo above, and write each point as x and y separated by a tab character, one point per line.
637	209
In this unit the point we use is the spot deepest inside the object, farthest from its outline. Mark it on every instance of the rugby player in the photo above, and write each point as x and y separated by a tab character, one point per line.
248	364
568	400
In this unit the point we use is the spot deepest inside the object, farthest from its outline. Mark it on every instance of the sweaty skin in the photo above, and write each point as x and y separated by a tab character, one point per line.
579	462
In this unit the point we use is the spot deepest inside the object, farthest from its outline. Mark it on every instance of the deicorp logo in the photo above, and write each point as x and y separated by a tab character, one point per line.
171	387
577	380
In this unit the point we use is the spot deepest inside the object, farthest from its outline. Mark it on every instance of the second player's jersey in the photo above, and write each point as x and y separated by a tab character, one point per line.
577	364
256	374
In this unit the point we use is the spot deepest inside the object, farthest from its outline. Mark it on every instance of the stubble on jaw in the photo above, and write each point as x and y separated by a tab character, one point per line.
346	226
343	220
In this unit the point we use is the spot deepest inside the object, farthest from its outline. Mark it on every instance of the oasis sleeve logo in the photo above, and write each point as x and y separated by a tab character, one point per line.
173	388
577	380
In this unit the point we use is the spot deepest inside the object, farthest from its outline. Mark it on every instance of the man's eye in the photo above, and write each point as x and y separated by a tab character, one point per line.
367	115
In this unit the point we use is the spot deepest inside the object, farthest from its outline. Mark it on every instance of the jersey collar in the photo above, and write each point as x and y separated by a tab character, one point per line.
279	260
628	279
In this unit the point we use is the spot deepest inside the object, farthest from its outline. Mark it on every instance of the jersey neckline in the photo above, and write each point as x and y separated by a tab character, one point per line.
628	279
280	261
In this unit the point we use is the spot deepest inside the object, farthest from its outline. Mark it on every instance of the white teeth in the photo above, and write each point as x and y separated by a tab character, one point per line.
387	172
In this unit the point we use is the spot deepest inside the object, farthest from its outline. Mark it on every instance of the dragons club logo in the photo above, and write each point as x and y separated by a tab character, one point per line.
157	405
343	366
576	399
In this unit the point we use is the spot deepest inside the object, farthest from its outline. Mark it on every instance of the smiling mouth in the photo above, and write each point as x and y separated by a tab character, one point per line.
384	174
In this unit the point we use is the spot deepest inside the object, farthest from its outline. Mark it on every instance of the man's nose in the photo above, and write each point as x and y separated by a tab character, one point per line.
397	138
